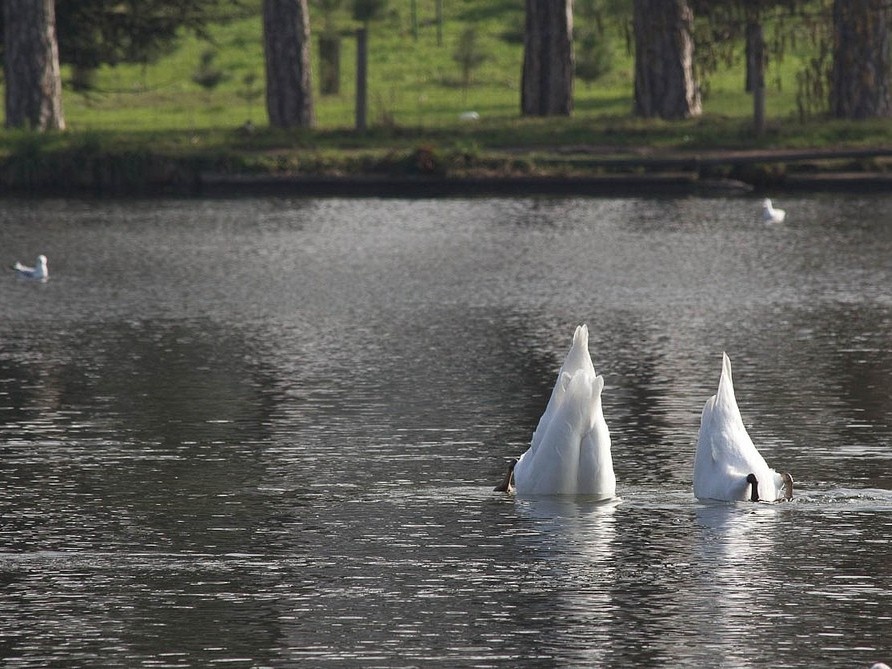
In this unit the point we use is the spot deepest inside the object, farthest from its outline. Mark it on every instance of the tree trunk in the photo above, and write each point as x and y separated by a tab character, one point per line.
547	86
31	66
330	63
362	67
664	60
286	39
755	73
859	82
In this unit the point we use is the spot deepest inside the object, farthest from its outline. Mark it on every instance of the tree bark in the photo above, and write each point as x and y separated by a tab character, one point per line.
859	82
286	38
31	66
664	60
547	85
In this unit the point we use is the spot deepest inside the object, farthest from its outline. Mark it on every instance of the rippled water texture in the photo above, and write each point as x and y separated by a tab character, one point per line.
265	432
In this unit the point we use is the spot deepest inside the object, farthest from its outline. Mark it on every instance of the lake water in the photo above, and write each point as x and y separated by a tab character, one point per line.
265	432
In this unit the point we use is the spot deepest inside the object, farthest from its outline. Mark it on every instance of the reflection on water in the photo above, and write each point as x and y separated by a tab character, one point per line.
265	433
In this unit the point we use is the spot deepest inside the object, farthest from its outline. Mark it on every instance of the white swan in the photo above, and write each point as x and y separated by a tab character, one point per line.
727	465
570	449
39	271
770	214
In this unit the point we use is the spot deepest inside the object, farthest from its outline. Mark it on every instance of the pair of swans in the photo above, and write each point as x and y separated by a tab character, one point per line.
570	450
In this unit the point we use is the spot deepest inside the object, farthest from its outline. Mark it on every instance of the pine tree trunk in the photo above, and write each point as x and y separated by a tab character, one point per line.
286	38
547	86
664	60
859	83
31	66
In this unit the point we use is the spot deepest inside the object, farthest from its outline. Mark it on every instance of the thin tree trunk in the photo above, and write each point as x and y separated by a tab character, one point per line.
859	82
755	70
31	66
362	66
547	85
664	60
286	38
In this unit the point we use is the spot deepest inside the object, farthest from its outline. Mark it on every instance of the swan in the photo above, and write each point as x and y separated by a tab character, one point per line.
569	453
39	271
727	465
770	214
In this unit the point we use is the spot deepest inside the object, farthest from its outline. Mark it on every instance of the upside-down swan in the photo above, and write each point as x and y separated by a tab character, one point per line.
570	450
727	465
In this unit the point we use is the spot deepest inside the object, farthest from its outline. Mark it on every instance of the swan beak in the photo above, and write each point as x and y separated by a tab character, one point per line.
788	486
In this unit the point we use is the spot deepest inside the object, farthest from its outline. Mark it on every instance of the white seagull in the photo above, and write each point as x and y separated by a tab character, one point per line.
39	271
727	465
770	214
570	449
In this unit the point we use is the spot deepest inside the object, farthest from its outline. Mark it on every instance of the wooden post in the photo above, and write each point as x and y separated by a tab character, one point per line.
755	42
362	59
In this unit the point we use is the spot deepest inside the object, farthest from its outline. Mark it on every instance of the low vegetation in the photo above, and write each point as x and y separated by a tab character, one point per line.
200	108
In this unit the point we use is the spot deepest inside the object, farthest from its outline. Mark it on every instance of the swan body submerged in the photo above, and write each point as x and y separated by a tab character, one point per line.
727	466
570	450
770	214
39	271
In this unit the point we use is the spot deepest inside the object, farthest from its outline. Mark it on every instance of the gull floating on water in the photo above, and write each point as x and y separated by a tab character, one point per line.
570	449
770	214
727	466
39	271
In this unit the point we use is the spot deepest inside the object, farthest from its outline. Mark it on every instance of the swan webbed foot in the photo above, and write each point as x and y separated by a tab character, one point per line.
507	483
754	482
788	485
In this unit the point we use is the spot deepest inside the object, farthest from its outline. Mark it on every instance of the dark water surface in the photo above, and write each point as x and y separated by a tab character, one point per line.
264	433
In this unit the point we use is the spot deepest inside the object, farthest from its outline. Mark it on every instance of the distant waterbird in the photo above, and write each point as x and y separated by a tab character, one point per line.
770	214
39	272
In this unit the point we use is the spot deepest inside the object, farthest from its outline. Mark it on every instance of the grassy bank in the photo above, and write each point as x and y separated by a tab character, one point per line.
146	127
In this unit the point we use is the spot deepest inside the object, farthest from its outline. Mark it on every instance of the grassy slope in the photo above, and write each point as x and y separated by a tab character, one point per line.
414	100
413	82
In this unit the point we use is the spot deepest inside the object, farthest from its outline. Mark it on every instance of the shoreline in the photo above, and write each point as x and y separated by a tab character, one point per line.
615	185
594	171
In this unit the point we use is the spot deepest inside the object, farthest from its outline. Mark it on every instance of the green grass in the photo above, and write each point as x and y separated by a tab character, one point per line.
414	100
413	83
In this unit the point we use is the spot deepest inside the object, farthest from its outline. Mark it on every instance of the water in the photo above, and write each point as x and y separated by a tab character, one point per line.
264	433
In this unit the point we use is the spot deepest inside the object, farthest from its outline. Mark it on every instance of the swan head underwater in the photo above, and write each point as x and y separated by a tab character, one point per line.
569	453
727	466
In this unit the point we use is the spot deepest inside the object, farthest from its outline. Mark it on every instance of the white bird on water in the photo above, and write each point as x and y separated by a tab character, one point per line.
770	214
727	465
39	271
570	450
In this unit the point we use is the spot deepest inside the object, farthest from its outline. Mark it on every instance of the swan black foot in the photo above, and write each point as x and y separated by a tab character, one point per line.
507	483
754	482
